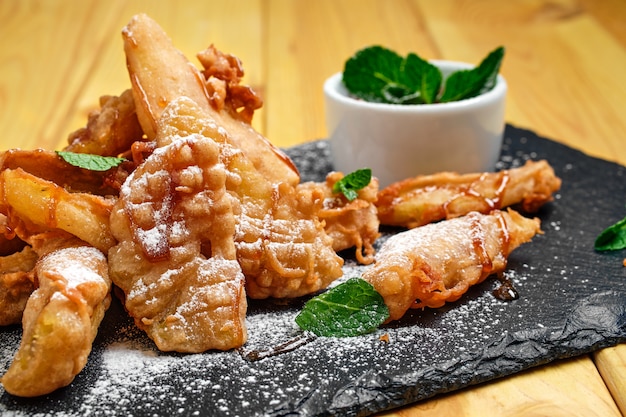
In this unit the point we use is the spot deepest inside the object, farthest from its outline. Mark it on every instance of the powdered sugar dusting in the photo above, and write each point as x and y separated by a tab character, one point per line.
64	263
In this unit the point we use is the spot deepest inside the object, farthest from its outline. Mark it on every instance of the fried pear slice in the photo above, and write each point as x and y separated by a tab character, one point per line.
16	284
176	259
424	199
437	263
281	243
60	320
47	165
351	224
26	197
160	73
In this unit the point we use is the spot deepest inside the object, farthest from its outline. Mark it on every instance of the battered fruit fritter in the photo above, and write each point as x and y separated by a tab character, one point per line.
437	263
351	224
32	205
176	260
424	199
281	243
60	320
160	73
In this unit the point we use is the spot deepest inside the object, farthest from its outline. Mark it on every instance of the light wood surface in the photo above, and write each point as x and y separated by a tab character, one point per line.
565	65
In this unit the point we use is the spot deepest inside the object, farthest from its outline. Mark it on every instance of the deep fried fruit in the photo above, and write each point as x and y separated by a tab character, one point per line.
349	223
48	166
424	199
285	253
176	259
61	320
27	198
16	284
160	73
437	263
281	243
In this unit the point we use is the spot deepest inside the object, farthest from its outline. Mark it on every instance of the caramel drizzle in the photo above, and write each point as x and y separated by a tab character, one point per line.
491	203
478	242
503	180
480	249
288	346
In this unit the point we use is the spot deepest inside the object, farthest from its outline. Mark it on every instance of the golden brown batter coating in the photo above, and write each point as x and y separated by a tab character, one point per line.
110	130
176	259
160	73
16	284
437	263
281	243
60	320
424	199
351	224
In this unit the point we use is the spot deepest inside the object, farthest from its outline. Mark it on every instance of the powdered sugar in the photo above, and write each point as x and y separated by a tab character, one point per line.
68	263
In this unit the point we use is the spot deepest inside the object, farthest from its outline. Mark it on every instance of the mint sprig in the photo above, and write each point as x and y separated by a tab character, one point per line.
350	309
350	184
89	161
612	238
378	74
470	83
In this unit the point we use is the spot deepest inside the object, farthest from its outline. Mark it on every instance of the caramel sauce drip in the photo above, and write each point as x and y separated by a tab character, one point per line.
288	346
505	291
504	236
480	249
490	203
503	181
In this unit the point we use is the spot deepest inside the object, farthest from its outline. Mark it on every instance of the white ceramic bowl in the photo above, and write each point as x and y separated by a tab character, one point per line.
400	141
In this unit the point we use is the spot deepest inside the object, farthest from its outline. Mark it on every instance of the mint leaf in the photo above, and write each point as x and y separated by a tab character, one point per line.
369	71
350	184
90	162
378	74
465	84
422	76
350	309
612	238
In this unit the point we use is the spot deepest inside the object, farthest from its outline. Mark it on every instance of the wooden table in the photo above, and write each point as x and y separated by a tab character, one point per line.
565	65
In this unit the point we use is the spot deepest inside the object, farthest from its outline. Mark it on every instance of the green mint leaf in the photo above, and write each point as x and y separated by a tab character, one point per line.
422	76
90	162
465	84
350	309
612	238
350	184
378	74
369	71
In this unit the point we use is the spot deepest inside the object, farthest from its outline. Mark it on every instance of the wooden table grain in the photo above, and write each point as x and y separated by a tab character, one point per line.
565	65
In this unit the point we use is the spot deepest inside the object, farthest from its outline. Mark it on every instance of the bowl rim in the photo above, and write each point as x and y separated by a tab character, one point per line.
333	85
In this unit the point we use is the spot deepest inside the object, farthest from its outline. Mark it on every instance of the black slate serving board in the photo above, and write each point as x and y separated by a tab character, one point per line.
572	301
